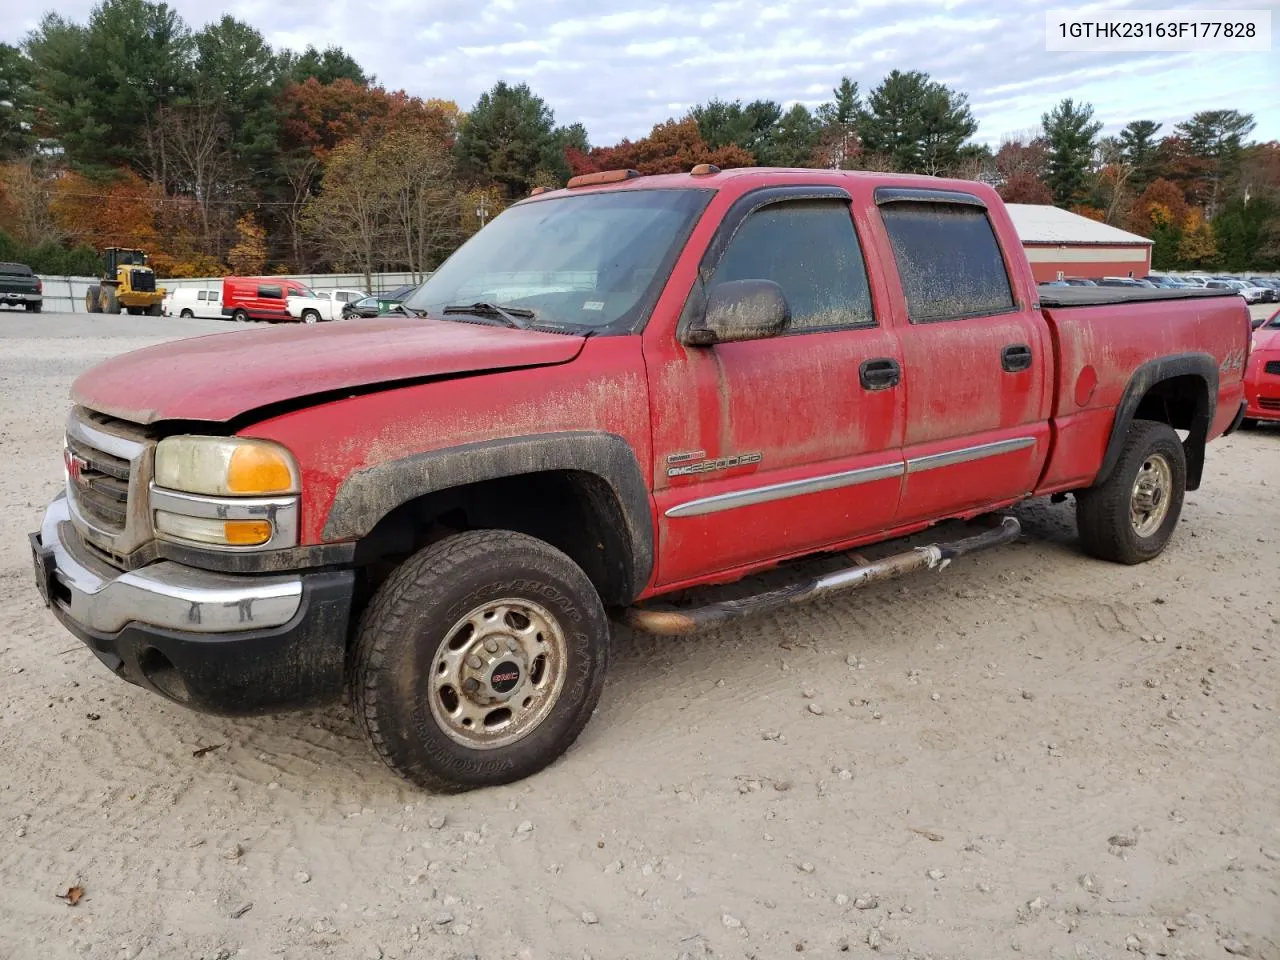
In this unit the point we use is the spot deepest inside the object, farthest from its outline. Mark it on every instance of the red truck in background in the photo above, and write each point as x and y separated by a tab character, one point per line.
614	391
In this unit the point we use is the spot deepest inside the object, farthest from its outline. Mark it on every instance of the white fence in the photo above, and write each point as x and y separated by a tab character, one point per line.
66	294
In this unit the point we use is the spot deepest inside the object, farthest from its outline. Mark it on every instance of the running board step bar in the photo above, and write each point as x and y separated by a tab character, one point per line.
674	621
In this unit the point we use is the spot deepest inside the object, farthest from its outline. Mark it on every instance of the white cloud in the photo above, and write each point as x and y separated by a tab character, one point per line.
620	66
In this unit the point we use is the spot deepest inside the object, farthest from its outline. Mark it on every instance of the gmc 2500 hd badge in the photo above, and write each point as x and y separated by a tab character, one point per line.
689	463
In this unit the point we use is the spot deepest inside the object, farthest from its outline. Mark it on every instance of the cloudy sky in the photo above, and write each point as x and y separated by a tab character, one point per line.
619	66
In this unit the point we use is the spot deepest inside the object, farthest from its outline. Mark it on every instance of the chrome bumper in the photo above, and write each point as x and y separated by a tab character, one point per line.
165	594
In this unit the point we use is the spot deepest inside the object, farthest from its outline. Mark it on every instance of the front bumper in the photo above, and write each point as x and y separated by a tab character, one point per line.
223	643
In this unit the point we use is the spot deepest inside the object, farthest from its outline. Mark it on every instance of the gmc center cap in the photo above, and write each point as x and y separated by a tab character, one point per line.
505	676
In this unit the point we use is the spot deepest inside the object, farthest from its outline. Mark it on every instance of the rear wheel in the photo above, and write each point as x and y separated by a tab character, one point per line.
1130	517
479	660
310	316
134	311
33	307
153	310
240	316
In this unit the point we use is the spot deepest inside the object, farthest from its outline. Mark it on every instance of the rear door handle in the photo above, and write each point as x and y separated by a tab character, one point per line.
1015	357
879	374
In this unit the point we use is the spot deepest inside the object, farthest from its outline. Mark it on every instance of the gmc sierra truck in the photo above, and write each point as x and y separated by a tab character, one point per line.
614	391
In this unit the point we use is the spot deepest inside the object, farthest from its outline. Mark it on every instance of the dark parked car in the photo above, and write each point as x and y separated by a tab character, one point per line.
20	287
1080	282
366	307
379	306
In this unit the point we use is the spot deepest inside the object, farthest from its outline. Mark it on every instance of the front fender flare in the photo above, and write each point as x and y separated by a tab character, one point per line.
368	495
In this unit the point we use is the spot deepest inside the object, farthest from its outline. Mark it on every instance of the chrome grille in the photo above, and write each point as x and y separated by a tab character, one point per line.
101	484
108	469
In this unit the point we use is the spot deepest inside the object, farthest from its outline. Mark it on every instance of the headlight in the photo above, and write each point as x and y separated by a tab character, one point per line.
225	466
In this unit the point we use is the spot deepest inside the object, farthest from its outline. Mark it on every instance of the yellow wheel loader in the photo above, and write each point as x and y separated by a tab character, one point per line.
127	284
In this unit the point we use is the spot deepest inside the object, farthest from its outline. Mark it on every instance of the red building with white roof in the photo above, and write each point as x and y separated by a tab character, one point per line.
1062	244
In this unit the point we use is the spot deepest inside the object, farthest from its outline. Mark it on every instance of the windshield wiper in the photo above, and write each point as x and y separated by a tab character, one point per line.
514	316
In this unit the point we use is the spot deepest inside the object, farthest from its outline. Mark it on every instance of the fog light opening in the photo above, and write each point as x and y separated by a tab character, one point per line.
160	672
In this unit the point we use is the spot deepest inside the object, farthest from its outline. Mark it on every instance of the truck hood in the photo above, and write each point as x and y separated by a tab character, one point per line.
219	377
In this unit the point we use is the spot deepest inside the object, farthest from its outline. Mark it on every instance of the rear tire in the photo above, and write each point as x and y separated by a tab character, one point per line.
93	299
1130	516
154	310
444	636
134	311
186	314
34	307
240	316
310	316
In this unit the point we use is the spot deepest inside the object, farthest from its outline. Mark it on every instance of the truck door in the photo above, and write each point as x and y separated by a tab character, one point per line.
785	445
974	363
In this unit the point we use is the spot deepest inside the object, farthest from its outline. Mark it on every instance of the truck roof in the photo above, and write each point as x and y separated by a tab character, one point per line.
742	179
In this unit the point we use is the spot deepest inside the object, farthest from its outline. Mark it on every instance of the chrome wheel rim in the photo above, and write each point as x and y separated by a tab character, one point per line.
497	674
1152	491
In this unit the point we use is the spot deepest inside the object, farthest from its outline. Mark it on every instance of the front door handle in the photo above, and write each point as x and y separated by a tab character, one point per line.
1015	357
879	374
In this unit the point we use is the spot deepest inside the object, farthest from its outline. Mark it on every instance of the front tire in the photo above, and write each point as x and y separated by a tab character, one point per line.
186	314
1130	517
479	660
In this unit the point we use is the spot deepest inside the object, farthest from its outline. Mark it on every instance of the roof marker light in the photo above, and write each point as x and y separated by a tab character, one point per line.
604	176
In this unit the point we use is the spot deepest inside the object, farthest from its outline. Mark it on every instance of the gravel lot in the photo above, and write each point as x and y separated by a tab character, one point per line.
1031	754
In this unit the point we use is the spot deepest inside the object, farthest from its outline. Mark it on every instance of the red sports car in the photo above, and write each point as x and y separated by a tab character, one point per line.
1262	376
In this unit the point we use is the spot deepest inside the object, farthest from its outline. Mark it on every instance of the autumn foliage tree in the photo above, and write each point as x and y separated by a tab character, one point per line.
249	255
675	146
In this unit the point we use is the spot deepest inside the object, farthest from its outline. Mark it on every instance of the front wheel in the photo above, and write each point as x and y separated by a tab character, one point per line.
186	314
1130	516
479	660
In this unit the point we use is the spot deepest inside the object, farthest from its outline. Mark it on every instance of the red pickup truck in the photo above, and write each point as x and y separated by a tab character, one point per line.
614	391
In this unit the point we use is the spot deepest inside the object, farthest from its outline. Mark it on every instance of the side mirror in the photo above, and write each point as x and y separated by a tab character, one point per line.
740	310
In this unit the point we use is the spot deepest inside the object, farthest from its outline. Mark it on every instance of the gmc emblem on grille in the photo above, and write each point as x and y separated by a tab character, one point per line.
75	464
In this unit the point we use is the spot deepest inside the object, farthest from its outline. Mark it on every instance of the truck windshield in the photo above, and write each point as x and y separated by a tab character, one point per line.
594	261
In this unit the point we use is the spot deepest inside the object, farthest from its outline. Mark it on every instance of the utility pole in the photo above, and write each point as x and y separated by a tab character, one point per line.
482	211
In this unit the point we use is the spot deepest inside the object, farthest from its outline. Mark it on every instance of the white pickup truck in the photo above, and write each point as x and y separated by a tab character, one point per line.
325	305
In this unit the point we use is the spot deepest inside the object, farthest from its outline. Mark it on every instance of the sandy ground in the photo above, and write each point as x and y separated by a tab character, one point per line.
1031	754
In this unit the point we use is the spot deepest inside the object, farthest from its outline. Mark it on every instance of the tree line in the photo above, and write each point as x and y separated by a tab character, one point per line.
216	153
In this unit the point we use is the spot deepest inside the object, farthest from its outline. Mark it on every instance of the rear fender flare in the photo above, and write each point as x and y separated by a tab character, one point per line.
1152	372
368	495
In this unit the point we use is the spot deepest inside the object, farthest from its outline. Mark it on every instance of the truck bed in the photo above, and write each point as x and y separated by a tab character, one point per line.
1102	296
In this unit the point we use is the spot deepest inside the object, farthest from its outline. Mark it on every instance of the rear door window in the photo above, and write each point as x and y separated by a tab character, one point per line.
948	260
271	293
